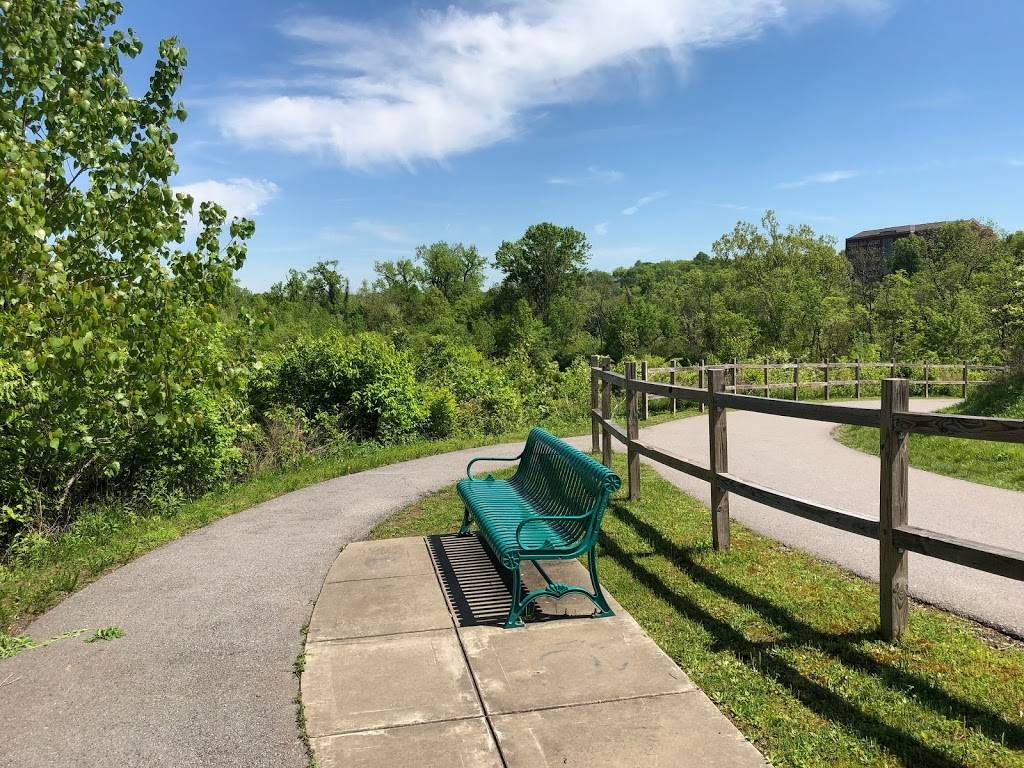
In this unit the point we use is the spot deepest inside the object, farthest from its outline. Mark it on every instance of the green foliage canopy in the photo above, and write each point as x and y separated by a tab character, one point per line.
107	324
544	263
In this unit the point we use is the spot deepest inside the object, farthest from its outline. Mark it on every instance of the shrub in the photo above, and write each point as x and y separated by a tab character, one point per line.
363	380
443	416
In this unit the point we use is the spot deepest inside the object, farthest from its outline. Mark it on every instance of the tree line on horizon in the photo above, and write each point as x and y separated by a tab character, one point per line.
765	291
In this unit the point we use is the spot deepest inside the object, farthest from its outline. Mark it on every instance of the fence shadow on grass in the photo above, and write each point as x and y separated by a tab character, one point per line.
841	647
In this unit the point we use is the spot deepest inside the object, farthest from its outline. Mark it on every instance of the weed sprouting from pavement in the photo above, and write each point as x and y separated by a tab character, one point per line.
107	633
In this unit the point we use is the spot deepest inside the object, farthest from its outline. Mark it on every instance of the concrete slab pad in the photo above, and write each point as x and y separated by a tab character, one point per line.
573	661
381	559
677	731
432	745
358	685
350	609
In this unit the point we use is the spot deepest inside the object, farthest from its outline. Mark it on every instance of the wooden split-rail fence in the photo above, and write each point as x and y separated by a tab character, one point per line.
894	420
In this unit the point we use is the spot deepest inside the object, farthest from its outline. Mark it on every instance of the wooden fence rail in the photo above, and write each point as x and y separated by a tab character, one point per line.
856	379
892	530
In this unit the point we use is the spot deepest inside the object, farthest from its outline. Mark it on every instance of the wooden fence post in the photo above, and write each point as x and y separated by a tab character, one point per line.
826	379
892	511
606	413
926	386
719	454
767	390
595	431
796	380
672	381
892	369
700	380
856	378
645	399
632	433
963	392
735	370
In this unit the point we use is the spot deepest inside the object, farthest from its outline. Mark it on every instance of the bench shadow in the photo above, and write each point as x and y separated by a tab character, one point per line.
840	646
479	590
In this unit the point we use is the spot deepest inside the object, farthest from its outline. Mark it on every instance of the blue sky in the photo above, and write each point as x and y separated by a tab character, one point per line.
356	131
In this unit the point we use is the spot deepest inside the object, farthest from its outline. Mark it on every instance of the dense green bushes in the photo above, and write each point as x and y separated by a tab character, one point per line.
362	381
436	388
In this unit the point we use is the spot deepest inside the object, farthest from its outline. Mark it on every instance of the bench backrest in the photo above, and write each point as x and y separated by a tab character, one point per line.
558	479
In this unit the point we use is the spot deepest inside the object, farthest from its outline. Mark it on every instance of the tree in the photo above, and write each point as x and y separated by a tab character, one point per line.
544	263
785	278
908	254
327	287
454	269
109	325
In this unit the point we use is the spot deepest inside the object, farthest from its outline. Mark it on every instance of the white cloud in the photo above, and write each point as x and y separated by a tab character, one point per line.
594	175
1016	163
601	229
828	177
240	197
380	231
456	80
645	200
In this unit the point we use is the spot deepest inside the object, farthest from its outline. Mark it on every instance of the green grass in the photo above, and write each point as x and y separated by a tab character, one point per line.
49	568
787	646
998	464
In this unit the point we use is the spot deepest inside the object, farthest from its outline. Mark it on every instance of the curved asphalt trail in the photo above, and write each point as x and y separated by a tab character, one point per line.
203	676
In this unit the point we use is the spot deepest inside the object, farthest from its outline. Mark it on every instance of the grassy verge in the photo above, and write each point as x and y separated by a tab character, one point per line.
787	645
106	537
998	464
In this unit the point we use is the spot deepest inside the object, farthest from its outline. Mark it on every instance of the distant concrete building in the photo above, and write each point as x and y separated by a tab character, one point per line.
869	251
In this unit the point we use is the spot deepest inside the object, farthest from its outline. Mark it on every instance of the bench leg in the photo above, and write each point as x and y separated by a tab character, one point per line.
556	590
518	606
466	521
598	596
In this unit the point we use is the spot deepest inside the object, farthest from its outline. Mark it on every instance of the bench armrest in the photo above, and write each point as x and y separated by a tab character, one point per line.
545	518
469	467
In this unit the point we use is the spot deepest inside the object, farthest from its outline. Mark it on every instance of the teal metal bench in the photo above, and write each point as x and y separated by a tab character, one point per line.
550	509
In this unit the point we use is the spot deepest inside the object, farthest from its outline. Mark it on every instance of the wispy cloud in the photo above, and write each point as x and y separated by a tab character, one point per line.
1016	162
456	80
645	200
333	235
601	229
239	197
380	231
734	207
828	177
594	175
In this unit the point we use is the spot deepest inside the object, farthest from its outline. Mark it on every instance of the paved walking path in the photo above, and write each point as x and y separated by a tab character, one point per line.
203	675
802	458
394	670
